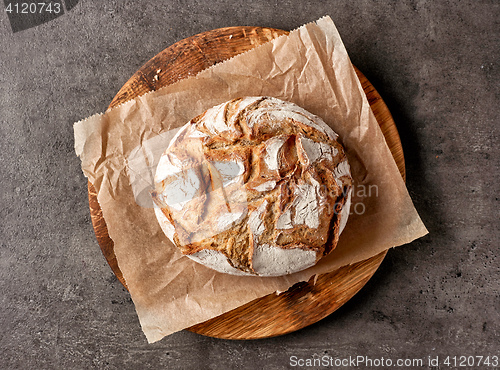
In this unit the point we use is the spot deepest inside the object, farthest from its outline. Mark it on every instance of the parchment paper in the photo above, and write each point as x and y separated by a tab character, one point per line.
119	150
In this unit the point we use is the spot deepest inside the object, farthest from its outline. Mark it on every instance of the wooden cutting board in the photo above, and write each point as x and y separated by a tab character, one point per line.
304	303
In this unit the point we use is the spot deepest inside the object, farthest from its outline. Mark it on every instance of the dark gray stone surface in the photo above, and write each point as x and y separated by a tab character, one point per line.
434	62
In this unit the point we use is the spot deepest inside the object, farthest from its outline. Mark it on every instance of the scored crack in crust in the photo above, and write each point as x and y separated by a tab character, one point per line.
254	186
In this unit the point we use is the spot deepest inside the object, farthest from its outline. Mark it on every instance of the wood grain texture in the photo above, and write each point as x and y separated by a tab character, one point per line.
305	303
192	55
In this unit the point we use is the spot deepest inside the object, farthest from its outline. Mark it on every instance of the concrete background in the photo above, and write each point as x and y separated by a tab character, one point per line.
434	62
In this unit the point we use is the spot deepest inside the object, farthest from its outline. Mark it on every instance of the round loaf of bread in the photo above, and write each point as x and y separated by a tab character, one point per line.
254	186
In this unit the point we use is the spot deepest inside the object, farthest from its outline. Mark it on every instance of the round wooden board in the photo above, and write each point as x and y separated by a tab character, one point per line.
304	303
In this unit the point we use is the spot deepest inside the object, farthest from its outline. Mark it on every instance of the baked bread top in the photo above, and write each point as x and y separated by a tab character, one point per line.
254	186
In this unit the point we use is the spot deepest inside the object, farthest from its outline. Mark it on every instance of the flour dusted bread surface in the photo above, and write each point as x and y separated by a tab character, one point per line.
254	186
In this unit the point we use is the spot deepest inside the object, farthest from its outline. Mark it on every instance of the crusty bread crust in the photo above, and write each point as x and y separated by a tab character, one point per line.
254	186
